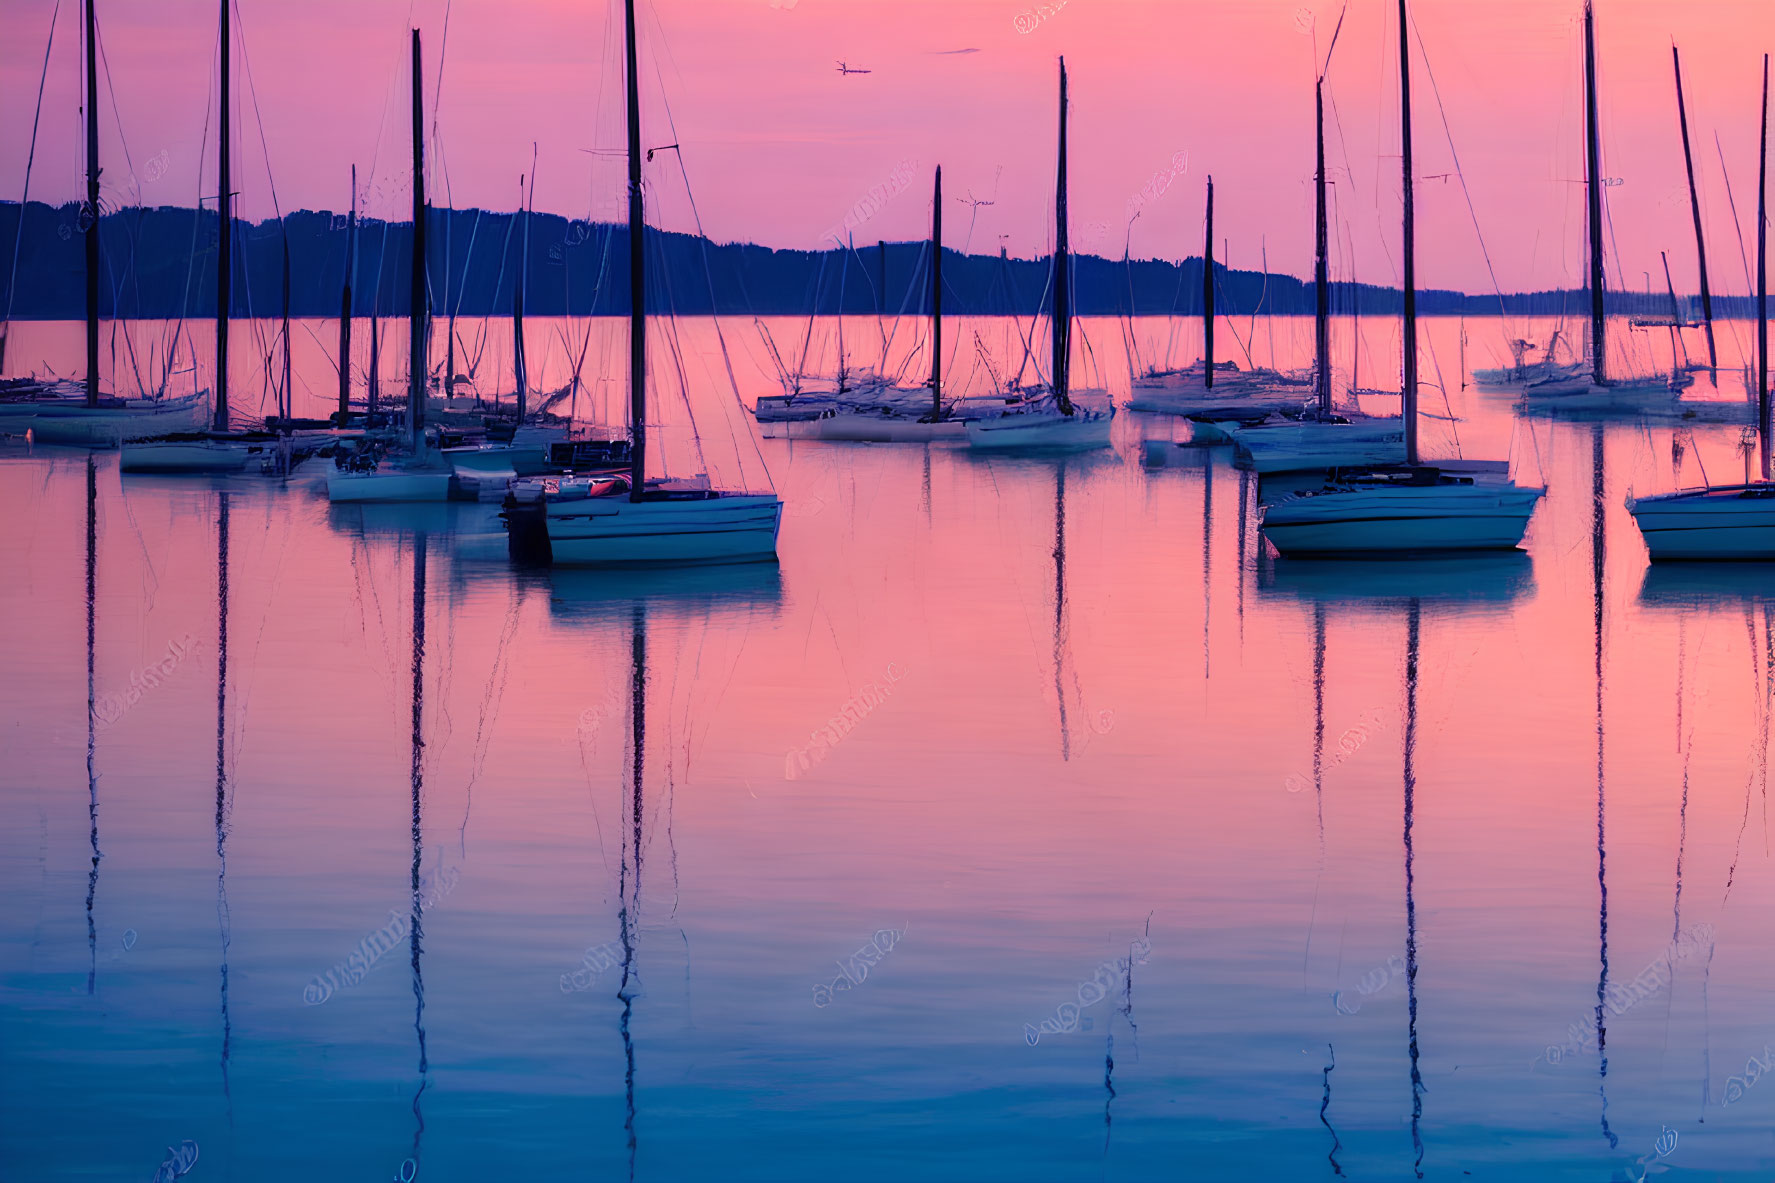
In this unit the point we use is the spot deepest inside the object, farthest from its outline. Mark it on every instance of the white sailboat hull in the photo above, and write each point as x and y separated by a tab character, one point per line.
391	484
191	456
526	454
615	531
1580	394
1402	519
1732	522
862	428
75	424
1516	377
1308	445
1240	394
1249	403
1045	431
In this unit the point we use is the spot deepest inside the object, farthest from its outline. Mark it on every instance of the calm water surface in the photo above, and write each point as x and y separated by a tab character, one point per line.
1176	860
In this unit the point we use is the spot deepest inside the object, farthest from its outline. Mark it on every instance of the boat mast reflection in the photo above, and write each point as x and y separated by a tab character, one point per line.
1598	572
1318	722
415	932
629	886
224	797
1455	584
1409	779
1207	558
92	780
1324	1105
1060	630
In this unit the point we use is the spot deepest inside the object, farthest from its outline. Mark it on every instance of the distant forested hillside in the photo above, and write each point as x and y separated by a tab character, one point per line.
161	263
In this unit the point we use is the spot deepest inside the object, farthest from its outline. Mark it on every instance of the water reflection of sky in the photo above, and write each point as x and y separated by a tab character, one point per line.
1105	690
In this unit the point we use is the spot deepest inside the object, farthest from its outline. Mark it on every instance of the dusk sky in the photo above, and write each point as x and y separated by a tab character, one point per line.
779	145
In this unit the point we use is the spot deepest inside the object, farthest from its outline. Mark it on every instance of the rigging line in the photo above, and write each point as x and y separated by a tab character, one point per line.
1750	779
467	255
1608	216
1442	386
1738	227
111	88
813	313
252	91
708	274
1448	133
270	181
400	61
490	698
1344	147
196	216
675	350
920	272
1227	316
118	283
1171	326
437	83
24	201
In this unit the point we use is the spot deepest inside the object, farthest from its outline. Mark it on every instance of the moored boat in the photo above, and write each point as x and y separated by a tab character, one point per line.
1416	507
1726	521
1311	444
1407	510
213	452
1041	430
1720	522
633	521
109	423
1050	422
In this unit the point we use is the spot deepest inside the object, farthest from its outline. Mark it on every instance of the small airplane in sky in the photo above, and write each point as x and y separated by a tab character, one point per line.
845	69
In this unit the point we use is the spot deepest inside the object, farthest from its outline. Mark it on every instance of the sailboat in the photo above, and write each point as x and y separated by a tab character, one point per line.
884	413
1210	392
61	413
1726	521
1451	506
1522	370
617	521
808	397
1597	391
421	475
1322	438
221	450
1044	424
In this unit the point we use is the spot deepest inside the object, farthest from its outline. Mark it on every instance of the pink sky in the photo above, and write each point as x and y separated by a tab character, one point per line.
779	145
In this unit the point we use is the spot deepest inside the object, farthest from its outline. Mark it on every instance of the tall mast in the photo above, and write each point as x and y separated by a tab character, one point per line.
1355	328
1062	264
1321	280
1676	318
416	412
345	304
937	297
1411	277
519	368
284	398
375	343
224	232
1593	190
1763	281
92	208
637	275
1682	115
1208	294
417	308
844	267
